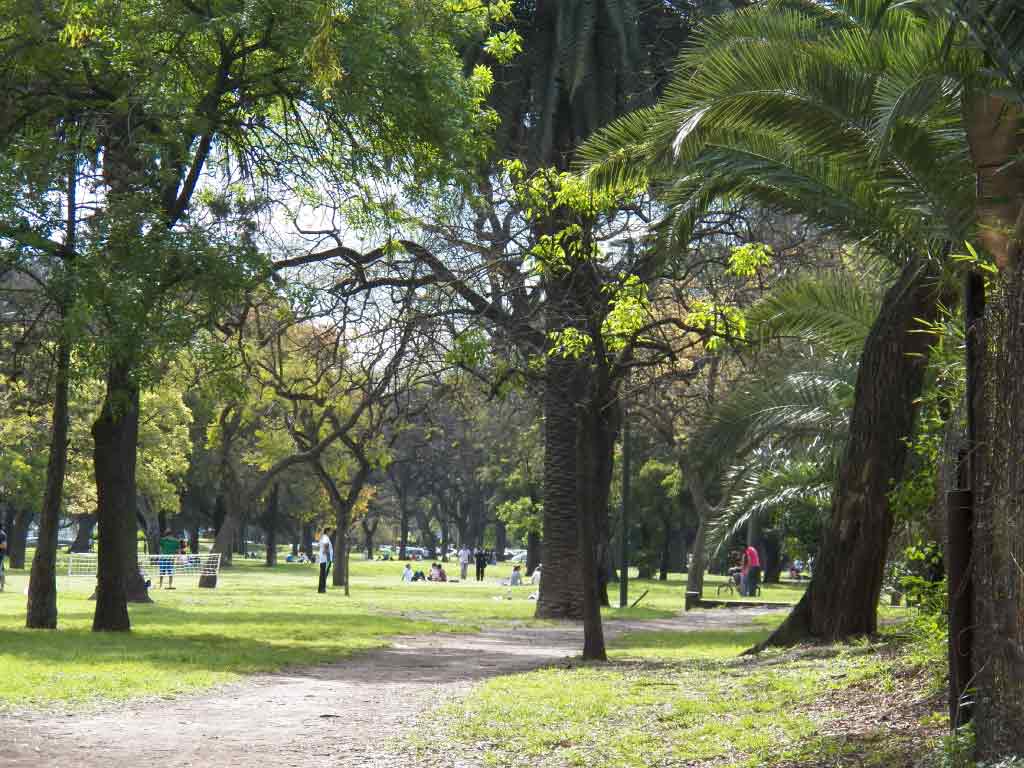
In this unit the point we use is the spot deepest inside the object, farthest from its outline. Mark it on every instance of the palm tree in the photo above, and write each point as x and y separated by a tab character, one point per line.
777	438
815	109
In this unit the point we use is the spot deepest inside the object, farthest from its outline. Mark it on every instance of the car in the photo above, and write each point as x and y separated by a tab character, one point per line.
518	557
415	553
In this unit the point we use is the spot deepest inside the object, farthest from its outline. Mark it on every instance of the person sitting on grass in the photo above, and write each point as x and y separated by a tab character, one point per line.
168	550
407	573
517	577
435	572
441	575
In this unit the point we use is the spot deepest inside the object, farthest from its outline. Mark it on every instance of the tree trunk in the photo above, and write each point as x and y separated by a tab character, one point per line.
368	533
589	497
500	540
771	557
42	588
994	131
307	539
220	513
115	436
271	524
343	506
224	541
695	574
403	541
666	549
842	599
561	593
17	541
643	564
607	420
83	537
532	552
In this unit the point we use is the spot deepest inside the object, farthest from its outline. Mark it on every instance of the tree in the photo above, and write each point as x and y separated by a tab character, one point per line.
795	120
168	100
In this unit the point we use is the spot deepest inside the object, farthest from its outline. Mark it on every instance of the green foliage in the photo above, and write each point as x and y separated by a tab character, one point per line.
521	516
745	260
958	748
723	323
630	311
469	349
569	342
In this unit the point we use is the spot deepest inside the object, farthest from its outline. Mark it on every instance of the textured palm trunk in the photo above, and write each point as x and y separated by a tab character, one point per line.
561	592
115	436
42	588
842	599
994	130
997	472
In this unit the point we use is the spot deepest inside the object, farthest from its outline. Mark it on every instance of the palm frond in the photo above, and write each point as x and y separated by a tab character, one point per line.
762	487
830	310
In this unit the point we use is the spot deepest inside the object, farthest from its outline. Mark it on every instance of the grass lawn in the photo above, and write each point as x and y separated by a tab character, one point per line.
686	699
256	620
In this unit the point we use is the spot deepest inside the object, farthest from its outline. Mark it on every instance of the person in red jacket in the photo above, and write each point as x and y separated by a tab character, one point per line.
750	572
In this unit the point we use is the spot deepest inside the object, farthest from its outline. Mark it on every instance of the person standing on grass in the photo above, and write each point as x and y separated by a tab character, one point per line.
168	551
464	557
750	571
481	564
326	558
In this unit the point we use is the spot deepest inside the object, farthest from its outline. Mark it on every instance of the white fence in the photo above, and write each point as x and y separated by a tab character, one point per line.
181	566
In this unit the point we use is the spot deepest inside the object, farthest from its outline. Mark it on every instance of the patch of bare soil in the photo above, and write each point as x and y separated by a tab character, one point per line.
356	712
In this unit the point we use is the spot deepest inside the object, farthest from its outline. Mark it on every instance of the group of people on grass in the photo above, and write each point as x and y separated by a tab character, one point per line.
437	573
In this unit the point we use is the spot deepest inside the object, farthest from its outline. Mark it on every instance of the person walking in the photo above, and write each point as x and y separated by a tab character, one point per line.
326	558
481	564
464	557
168	553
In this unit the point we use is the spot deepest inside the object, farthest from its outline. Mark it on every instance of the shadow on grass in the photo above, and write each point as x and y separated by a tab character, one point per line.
720	644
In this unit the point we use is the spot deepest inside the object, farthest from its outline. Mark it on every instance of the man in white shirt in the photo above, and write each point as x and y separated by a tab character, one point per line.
464	557
326	558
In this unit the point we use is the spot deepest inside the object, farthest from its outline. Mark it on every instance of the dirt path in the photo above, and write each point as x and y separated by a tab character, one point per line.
353	713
